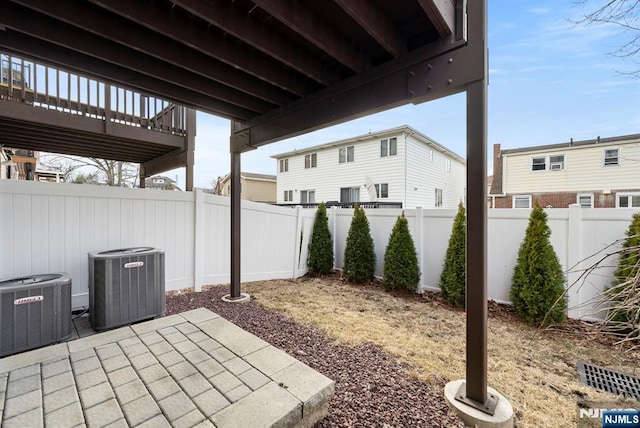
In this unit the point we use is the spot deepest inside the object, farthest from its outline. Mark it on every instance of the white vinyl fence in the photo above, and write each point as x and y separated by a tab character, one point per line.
48	227
580	237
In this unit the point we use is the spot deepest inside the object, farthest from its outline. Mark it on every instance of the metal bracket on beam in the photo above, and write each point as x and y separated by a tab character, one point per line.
444	74
488	407
240	141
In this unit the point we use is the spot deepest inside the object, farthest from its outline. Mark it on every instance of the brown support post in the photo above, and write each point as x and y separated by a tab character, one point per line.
191	146
474	392
235	218
477	242
142	177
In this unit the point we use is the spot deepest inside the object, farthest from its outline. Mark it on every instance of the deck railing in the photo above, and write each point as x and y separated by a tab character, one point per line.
42	86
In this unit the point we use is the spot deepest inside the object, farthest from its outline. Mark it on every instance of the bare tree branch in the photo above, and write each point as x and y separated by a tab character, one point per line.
623	14
622	298
101	171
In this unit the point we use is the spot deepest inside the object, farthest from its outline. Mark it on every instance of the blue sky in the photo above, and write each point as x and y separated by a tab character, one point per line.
549	81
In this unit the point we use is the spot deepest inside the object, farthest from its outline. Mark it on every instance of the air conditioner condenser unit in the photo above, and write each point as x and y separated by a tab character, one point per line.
35	311
125	286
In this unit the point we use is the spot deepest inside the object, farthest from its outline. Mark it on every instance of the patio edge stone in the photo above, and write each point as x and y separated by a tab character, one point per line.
269	406
17	361
200	315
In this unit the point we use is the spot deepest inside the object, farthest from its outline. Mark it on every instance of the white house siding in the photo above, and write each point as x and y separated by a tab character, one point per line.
411	175
330	175
584	170
425	175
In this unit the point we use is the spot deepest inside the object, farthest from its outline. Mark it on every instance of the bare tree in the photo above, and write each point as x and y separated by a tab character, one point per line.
623	14
622	297
101	171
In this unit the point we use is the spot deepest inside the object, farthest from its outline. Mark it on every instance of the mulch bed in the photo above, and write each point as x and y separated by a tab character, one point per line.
372	388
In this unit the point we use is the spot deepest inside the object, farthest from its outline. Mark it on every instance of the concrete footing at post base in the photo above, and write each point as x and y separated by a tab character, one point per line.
244	298
502	418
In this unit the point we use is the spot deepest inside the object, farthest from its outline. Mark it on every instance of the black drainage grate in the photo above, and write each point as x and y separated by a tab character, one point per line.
609	381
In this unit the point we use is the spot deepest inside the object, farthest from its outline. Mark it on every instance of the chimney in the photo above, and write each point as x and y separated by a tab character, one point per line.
571	142
598	141
496	155
496	184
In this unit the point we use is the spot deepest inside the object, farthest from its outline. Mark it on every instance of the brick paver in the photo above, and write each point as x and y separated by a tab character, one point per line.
168	372
68	416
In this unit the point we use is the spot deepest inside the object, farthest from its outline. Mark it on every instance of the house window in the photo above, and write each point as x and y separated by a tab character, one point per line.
556	163
311	161
382	190
447	164
284	165
539	164
345	154
288	195
521	201
349	194
585	200
611	157
308	197
430	155
438	198
389	147
628	200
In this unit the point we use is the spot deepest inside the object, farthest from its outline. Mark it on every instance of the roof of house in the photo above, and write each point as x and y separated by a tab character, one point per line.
572	145
374	135
253	176
163	177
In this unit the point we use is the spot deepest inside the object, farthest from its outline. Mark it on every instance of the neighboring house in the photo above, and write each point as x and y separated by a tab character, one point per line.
253	187
396	165
160	182
18	164
599	173
8	169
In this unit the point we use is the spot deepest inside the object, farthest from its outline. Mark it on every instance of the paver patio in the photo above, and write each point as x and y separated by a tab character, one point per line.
191	369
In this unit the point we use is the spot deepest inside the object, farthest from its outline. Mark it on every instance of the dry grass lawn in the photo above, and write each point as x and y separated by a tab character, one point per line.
535	370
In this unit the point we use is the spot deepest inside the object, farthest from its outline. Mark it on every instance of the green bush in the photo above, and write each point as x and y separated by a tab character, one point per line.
628	269
320	260
400	258
537	287
359	255
452	278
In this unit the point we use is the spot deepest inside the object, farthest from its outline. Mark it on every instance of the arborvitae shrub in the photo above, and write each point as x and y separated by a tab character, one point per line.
359	255
400	258
624	286
452	278
321	246
537	286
